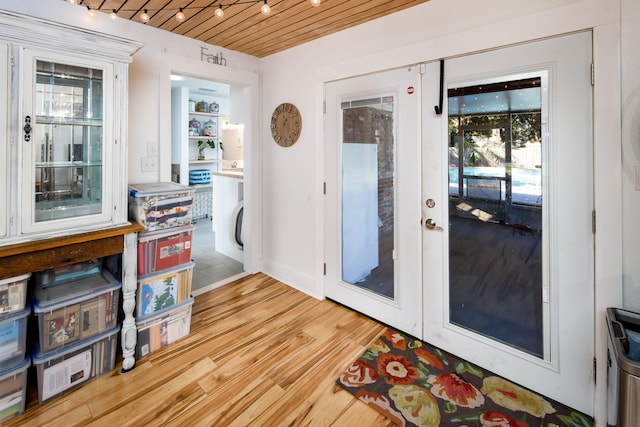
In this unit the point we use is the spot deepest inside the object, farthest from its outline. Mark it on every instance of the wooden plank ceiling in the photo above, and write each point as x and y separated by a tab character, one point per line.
244	28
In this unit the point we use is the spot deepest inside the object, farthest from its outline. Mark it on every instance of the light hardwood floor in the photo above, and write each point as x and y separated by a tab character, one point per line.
259	354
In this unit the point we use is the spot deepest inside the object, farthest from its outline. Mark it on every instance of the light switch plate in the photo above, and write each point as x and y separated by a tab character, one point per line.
149	164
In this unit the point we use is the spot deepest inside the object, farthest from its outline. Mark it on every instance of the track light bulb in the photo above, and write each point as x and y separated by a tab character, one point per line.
180	16
144	16
219	13
113	14
266	10
315	3
91	11
72	1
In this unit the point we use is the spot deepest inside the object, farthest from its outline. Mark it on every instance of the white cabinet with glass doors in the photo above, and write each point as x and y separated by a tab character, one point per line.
65	128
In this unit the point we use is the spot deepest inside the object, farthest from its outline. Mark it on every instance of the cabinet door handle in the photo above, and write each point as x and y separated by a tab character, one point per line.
27	128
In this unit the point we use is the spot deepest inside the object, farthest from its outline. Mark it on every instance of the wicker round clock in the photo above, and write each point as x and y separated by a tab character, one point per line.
286	124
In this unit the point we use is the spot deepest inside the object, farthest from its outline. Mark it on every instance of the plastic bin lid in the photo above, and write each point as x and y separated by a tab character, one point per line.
12	317
141	190
15	279
144	320
150	235
167	272
16	369
53	297
40	358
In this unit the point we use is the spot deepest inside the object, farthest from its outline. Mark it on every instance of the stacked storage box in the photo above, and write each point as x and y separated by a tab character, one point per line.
14	360
165	268
76	313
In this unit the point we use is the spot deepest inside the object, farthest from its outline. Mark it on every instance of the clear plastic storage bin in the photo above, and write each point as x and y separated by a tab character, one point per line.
59	275
13	390
13	338
13	294
163	328
76	310
69	367
163	250
163	290
161	205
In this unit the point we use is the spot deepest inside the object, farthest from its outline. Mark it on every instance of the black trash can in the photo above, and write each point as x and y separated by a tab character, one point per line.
623	379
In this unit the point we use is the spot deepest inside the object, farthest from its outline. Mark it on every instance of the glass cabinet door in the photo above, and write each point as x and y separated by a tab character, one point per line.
66	139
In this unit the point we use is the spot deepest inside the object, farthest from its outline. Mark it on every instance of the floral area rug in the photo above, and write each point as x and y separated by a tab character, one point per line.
416	384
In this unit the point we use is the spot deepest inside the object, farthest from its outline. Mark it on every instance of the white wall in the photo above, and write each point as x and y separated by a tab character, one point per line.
293	245
292	225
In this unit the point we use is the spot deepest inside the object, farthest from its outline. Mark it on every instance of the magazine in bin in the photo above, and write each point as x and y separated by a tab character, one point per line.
163	328
71	366
13	338
163	290
164	249
13	294
76	310
13	390
161	205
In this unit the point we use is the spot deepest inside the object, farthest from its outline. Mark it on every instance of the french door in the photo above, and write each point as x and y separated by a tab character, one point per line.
373	197
471	229
508	202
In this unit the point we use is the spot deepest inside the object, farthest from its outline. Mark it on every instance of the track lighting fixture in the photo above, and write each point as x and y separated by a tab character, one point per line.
217	6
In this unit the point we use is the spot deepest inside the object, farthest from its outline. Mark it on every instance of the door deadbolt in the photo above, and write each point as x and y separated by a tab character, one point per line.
431	203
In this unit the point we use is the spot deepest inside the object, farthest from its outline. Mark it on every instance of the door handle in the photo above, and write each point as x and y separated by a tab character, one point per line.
430	224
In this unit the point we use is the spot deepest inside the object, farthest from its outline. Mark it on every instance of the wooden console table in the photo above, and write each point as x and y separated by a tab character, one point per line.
38	255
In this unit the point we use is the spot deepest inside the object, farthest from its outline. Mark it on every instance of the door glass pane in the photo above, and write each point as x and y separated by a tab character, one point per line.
495	211
69	137
368	165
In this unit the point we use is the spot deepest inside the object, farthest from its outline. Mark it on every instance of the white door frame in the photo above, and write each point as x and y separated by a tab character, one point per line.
403	311
603	21
247	113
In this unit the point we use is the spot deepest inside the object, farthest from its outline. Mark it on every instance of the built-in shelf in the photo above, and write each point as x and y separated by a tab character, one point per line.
203	137
205	161
198	186
198	113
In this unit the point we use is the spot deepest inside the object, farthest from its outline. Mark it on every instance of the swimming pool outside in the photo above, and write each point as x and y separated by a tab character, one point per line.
526	184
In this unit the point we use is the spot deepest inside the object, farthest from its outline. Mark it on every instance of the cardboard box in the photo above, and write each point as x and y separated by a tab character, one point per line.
76	310
161	205
163	328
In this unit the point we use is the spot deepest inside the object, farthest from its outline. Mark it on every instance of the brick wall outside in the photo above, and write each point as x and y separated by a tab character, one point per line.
371	125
